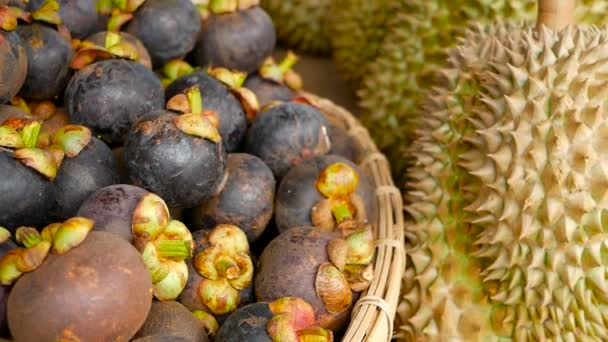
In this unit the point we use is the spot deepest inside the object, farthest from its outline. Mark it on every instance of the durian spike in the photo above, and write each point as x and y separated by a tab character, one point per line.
555	14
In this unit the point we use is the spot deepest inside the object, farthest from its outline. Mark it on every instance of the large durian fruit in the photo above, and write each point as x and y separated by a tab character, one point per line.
300	24
509	189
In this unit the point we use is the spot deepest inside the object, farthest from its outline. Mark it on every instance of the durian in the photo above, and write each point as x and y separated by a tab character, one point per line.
300	24
508	191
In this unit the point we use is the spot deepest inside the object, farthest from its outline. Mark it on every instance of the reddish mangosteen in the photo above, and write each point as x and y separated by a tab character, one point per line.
286	135
326	269
275	82
218	98
322	192
180	157
172	318
111	94
238	36
144	58
13	57
62	273
220	275
79	16
246	198
287	319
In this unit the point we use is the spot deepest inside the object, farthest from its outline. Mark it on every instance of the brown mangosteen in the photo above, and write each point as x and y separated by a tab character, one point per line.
172	318
13	57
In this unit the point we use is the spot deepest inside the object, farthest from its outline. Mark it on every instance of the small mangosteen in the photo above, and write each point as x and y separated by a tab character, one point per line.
322	192
179	157
323	268
49	54
246	198
99	38
79	16
287	319
220	274
172	318
218	98
74	284
235	36
13	69
286	135
275	82
110	95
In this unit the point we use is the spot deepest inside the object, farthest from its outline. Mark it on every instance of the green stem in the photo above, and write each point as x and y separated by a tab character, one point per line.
178	249
223	6
195	100
28	236
288	62
341	212
30	133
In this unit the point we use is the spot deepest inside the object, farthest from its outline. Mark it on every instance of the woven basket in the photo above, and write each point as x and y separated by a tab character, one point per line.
373	314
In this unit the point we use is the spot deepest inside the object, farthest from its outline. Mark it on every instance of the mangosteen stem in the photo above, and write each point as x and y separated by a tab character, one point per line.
158	270
177	68
195	100
104	7
288	62
117	20
30	134
28	236
232	79
223	6
176	249
341	212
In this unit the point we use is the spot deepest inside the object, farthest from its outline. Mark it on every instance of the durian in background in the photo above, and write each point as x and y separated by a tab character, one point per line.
508	190
300	24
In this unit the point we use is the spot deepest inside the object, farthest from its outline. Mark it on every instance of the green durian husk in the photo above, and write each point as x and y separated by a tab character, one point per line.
300	24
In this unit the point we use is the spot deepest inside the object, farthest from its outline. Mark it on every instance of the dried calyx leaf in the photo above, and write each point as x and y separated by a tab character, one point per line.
194	121
5	234
72	139
10	16
283	72
209	322
120	11
175	69
68	234
48	13
294	321
19	102
333	288
226	267
114	47
235	80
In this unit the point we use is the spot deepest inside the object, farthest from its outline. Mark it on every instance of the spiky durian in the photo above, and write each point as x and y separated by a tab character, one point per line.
508	191
300	24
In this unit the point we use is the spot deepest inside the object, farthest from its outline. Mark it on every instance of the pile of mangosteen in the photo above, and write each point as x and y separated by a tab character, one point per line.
162	179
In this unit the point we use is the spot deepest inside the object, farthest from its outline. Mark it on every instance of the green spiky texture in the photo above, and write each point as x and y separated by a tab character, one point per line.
356	29
300	24
507	193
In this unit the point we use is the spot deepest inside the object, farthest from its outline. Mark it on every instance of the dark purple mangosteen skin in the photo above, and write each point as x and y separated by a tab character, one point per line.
239	41
79	177
246	200
112	208
297	193
5	247
183	170
79	16
168	28
13	65
26	196
110	95
48	55
343	144
8	112
15	3
246	324
282	133
216	97
268	91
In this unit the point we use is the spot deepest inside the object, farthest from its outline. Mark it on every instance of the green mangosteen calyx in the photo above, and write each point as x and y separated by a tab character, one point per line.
217	7
59	238
48	13
209	322
88	53
226	267
165	245
175	69
195	121
294	320
283	72
235	80
9	17
120	11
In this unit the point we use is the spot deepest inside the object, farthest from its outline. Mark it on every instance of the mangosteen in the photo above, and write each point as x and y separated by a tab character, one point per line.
79	177
218	98
220	277
168	28
99	38
265	322
235	38
21	4
323	268
286	135
172	318
323	191
13	68
5	247
112	208
163	338
275	82
110	95
343	144
49	55
246	198
79	16
7	112
179	157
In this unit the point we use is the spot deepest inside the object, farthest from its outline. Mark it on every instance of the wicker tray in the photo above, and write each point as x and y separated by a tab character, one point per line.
373	315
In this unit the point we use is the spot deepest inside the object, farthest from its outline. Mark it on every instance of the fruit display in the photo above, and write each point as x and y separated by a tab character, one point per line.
165	178
506	201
